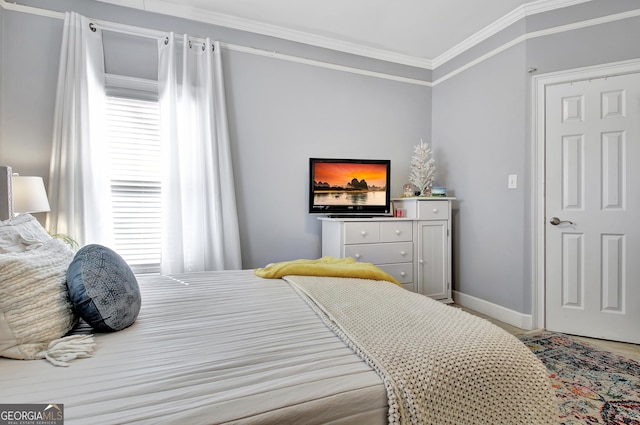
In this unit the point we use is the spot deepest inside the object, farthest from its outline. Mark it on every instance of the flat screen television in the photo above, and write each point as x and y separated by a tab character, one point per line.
345	187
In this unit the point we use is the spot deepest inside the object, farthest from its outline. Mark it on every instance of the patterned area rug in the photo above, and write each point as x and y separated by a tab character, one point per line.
592	386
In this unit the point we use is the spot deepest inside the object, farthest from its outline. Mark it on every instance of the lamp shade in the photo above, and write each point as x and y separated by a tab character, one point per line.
29	195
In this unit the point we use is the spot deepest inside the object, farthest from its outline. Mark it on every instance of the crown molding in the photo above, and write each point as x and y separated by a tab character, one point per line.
541	33
228	21
201	15
541	6
32	10
327	65
514	16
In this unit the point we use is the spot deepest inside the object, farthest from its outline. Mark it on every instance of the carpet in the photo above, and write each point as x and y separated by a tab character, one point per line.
592	386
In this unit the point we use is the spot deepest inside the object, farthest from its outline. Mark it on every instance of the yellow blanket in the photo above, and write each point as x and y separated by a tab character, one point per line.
325	266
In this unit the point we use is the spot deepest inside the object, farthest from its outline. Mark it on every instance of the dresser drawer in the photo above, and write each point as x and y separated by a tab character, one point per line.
402	272
433	210
399	252
396	231
361	232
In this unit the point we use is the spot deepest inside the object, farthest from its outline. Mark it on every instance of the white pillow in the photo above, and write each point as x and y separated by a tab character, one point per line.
35	308
21	233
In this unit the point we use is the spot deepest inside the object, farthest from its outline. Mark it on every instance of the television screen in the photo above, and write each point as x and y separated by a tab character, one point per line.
349	186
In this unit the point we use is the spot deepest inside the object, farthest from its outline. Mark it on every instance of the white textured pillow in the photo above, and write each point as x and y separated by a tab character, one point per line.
21	233
34	302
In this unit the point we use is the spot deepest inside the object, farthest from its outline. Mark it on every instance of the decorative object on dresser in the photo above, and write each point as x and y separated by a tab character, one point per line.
439	191
423	168
408	190
414	249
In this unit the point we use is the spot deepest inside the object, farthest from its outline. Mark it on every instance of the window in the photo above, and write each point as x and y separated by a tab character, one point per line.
133	136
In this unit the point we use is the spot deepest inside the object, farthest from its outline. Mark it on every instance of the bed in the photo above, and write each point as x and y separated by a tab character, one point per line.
209	348
233	347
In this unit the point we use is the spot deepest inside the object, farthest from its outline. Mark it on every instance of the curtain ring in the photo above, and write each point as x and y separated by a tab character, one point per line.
92	26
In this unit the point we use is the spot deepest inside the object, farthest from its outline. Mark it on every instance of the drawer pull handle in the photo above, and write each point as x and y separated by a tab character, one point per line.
357	255
403	253
403	274
363	233
397	232
421	261
435	211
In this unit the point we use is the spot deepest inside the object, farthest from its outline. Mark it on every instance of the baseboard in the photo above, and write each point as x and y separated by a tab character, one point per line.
495	311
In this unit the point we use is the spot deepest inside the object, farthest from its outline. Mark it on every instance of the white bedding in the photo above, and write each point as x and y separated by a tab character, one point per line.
227	347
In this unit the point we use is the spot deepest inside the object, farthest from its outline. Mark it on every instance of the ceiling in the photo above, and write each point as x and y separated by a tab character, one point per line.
414	32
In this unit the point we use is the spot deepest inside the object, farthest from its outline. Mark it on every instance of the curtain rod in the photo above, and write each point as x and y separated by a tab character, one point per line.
141	32
149	33
126	29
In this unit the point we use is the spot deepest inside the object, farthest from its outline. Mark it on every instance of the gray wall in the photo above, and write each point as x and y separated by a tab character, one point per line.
482	131
281	113
285	113
2	104
478	131
29	73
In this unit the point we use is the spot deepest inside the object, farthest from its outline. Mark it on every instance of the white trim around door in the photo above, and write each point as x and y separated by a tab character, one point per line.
539	84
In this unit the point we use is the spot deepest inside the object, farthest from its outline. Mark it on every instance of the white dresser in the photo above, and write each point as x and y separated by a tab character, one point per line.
385	242
415	249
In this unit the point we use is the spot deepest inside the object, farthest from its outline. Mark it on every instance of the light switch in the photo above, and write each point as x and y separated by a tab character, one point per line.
513	181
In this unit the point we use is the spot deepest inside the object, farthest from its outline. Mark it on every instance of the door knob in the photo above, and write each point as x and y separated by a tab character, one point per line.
555	221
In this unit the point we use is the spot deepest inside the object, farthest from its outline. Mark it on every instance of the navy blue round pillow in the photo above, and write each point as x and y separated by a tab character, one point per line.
103	289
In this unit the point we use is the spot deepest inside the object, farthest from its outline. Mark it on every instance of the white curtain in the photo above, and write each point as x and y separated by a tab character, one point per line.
200	223
79	186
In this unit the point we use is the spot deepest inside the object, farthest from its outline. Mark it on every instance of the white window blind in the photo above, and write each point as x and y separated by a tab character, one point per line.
134	148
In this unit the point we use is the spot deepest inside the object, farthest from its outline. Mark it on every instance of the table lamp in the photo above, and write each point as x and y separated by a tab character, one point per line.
29	195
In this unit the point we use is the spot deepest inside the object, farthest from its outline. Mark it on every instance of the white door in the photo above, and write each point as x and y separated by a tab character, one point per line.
593	191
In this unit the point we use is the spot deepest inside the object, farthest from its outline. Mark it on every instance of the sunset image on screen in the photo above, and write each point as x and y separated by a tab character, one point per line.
340	174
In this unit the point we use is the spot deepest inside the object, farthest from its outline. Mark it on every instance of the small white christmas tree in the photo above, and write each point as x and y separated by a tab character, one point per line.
423	168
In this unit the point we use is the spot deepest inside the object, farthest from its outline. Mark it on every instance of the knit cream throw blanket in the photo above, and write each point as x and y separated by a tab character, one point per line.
35	310
440	365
